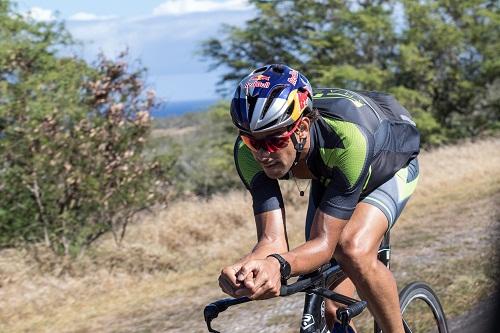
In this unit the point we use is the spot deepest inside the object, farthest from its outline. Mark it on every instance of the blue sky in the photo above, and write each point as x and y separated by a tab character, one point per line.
163	34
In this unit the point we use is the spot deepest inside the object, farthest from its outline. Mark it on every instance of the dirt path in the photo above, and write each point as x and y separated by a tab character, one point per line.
483	317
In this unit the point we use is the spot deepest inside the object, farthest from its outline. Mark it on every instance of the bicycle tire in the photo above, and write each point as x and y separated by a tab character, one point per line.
411	296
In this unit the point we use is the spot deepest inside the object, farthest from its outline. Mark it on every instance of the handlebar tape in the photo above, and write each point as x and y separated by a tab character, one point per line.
351	311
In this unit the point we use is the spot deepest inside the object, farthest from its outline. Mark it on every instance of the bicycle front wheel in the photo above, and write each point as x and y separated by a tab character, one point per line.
421	309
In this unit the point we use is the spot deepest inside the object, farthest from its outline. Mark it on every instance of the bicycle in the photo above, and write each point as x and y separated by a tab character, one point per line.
316	284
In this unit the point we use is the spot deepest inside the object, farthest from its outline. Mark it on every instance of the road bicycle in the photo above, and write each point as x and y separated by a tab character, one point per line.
420	307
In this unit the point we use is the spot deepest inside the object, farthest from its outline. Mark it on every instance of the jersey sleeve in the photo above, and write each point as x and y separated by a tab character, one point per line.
338	203
266	193
349	161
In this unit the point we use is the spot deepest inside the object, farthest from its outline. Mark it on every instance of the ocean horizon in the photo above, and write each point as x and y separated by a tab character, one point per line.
178	108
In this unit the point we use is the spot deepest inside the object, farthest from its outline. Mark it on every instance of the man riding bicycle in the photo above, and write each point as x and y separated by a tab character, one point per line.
359	150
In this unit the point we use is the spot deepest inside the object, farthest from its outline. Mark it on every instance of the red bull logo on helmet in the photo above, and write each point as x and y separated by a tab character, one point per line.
302	100
293	77
260	77
257	84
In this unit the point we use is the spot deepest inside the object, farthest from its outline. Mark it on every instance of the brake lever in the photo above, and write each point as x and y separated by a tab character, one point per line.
212	310
345	314
210	313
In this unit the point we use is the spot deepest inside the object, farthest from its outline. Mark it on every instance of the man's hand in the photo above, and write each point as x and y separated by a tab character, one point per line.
228	282
261	279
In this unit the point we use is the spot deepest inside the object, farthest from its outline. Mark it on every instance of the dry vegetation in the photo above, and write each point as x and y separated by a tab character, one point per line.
166	270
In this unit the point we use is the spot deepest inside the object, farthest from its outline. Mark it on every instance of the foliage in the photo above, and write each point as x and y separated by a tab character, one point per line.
438	57
204	152
71	140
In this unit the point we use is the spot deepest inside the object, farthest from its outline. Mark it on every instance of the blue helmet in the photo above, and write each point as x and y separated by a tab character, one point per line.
270	98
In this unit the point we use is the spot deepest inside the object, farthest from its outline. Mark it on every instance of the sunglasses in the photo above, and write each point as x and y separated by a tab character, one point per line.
270	144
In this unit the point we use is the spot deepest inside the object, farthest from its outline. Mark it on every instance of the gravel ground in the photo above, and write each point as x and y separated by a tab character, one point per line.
483	317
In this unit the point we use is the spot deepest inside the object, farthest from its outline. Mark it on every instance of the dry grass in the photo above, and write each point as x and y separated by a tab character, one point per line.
156	260
166	270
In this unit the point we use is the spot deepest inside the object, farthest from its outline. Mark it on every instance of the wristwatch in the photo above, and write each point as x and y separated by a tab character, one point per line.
285	269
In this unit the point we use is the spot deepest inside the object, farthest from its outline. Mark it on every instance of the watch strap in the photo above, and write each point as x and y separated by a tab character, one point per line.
283	265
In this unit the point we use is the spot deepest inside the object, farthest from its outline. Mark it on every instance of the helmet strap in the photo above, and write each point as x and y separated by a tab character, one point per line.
299	147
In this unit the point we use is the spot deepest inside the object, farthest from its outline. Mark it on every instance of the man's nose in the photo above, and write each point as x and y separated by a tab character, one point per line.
262	153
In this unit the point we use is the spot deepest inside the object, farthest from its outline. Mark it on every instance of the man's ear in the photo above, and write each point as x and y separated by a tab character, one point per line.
304	126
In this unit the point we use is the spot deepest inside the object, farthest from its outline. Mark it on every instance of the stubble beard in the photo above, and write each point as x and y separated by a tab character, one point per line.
277	171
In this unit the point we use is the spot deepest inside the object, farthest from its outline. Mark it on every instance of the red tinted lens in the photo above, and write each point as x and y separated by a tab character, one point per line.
250	142
270	144
276	143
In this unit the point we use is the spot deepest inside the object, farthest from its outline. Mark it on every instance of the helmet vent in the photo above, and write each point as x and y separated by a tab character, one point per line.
280	69
289	110
270	99
251	101
260	70
271	124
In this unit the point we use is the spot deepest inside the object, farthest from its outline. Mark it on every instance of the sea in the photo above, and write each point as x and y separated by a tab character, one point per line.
178	108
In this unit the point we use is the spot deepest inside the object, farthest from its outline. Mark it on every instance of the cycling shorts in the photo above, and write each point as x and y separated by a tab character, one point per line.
390	197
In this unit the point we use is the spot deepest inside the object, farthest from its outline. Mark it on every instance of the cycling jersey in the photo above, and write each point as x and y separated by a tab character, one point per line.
360	141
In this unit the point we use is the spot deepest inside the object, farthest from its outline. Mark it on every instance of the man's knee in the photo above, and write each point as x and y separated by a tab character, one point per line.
352	253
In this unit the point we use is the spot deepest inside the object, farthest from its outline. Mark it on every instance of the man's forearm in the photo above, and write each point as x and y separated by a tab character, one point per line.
264	248
309	256
271	235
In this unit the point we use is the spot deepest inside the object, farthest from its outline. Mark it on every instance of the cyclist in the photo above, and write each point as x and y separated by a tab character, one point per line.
359	150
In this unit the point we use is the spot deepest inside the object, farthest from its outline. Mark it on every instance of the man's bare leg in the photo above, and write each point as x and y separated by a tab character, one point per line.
357	253
345	288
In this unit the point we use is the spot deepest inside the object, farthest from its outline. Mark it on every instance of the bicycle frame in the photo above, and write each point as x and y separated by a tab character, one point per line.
313	316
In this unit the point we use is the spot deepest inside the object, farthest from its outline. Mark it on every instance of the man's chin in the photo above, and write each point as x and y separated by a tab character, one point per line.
275	172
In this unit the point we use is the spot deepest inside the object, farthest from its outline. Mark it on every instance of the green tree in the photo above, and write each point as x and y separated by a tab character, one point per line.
437	57
449	54
71	140
204	164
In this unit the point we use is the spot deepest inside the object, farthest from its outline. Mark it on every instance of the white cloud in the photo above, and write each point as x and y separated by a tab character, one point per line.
39	14
84	16
181	7
165	44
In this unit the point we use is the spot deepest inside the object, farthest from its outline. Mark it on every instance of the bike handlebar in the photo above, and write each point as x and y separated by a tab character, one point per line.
212	310
352	310
312	280
300	285
313	283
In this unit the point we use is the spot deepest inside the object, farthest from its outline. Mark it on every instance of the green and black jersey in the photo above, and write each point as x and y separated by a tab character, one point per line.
360	141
